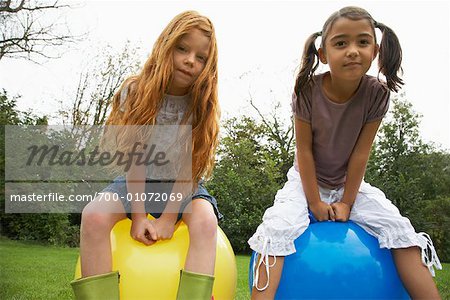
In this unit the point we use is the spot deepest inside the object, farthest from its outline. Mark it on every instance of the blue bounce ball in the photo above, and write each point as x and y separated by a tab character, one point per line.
337	260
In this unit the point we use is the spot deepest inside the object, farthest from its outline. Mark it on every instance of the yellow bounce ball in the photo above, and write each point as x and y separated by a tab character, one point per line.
153	272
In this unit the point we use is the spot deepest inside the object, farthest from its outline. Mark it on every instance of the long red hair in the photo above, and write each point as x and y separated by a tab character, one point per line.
147	90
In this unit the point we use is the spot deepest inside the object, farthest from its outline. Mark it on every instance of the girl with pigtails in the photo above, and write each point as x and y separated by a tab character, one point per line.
337	115
177	86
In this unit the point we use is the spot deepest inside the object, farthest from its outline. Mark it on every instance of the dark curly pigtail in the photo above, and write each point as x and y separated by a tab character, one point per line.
310	62
390	57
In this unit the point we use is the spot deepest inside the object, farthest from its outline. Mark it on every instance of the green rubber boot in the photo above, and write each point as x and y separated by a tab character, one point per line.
97	287
195	286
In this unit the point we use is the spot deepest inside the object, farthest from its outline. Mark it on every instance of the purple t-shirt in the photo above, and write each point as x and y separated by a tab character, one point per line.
336	127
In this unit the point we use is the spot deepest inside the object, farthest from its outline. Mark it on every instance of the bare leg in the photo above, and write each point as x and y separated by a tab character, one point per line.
202	224
97	220
415	276
275	275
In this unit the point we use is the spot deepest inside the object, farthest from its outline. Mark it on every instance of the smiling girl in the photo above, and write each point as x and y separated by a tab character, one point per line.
177	86
337	115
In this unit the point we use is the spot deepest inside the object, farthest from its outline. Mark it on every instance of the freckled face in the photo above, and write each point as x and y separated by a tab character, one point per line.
189	59
349	48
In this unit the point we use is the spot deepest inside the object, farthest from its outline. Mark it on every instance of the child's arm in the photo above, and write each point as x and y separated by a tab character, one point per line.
141	229
303	137
356	169
165	224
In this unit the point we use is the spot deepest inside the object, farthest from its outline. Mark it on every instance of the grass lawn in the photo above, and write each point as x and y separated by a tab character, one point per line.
242	262
33	271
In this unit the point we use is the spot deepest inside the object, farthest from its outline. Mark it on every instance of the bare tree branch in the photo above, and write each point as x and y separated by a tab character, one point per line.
283	139
274	127
5	6
27	30
98	84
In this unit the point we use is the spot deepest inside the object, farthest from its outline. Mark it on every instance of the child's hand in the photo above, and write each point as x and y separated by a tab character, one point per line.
164	228
322	211
341	210
142	230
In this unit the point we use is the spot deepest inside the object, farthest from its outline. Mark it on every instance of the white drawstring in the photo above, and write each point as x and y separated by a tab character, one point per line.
264	259
429	255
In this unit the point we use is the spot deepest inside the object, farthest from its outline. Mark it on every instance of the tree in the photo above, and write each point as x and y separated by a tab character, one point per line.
9	115
28	30
98	84
435	220
253	159
394	163
243	179
415	176
50	228
280	139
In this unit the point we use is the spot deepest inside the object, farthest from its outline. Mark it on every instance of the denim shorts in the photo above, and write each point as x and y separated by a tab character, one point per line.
156	201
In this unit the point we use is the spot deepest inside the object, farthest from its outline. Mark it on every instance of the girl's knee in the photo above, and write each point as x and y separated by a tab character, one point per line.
102	215
203	227
93	221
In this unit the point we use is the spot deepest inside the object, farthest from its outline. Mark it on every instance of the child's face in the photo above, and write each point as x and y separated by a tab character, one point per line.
189	58
349	48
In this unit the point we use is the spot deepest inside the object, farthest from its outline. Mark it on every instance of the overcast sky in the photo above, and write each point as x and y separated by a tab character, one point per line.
260	43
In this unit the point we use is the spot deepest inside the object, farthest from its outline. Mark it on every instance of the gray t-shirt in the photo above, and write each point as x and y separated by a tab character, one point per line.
336	127
172	109
166	138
